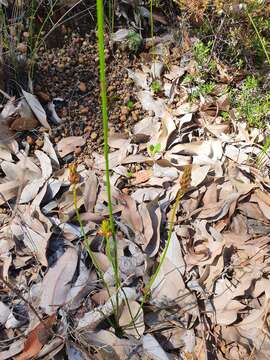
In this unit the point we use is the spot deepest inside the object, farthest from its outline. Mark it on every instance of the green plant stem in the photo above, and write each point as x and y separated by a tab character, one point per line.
260	38
87	246
100	21
151	19
179	196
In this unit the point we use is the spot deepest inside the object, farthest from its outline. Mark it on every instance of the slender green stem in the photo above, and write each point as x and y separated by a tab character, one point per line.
151	19
100	20
147	290
87	245
260	38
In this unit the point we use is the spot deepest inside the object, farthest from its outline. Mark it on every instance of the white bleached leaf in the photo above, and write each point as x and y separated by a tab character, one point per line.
150	104
8	190
49	150
120	35
153	348
156	69
4	313
37	108
140	78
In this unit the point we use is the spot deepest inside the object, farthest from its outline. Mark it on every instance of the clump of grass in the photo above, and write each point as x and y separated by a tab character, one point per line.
155	86
153	150
201	52
203	90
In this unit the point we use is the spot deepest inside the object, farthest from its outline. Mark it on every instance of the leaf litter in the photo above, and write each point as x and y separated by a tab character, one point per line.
212	289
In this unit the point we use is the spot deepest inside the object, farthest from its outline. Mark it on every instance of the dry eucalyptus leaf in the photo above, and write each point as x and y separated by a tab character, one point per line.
140	78
90	192
57	281
150	104
126	320
37	108
69	144
153	349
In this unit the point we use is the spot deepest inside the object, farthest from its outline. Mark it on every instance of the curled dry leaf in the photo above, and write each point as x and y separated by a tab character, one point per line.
57	281
141	176
120	35
49	150
153	349
8	190
109	346
130	214
37	338
37	108
31	231
140	78
31	189
150	104
126	320
155	214
117	141
167	128
156	69
90	192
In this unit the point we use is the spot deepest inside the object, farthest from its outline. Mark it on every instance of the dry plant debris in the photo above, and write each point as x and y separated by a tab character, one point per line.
211	295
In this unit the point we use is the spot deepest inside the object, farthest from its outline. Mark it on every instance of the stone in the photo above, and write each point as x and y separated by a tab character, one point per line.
82	87
93	135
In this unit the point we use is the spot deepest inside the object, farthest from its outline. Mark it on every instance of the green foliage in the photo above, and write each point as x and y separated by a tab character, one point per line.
201	52
134	41
251	104
155	86
203	89
153	150
225	115
130	104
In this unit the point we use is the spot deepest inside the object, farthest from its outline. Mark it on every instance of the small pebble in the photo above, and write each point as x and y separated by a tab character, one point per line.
82	87
124	110
134	116
123	118
93	135
87	129
84	110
